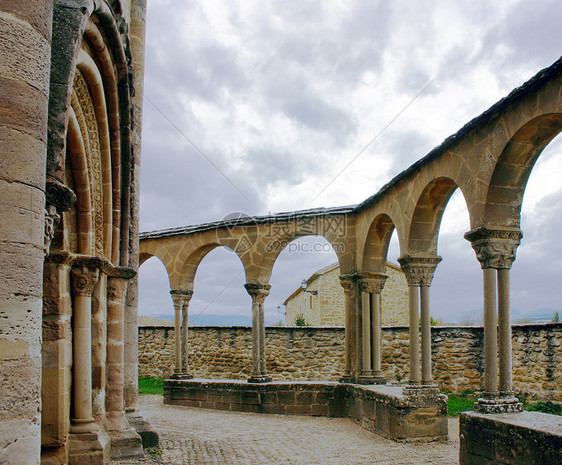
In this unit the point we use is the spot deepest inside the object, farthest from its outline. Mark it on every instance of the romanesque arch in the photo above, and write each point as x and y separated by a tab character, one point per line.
87	269
513	168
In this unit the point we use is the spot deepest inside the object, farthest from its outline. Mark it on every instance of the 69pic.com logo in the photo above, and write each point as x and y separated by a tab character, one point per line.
239	232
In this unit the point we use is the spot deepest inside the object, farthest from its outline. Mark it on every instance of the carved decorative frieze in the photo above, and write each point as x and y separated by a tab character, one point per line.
495	248
83	280
85	113
373	283
258	291
419	269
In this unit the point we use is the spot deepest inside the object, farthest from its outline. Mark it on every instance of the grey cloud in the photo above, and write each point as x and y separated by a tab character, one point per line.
269	165
405	147
530	33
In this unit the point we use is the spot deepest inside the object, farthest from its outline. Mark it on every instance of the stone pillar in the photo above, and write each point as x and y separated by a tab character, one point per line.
25	50
137	36
115	407
125	442
83	280
258	292
419	270
352	314
496	249
371	285
181	298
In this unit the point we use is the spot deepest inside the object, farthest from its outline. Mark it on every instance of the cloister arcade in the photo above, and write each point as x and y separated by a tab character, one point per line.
489	160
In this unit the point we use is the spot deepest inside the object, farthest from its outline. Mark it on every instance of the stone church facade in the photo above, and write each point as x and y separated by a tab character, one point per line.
71	85
323	301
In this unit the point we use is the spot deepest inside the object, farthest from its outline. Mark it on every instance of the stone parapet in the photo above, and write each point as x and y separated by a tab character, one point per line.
385	410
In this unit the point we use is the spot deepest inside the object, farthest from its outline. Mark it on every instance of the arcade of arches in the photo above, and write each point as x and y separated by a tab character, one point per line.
71	74
489	160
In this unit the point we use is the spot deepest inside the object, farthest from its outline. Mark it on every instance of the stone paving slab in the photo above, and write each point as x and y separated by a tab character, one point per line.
195	436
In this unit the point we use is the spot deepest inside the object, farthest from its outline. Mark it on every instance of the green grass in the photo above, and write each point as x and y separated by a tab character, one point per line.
150	386
464	402
544	407
460	403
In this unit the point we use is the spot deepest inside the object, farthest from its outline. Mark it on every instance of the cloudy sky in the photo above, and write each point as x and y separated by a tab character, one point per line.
258	106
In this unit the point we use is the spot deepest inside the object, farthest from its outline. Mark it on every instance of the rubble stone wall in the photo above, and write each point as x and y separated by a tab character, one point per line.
317	354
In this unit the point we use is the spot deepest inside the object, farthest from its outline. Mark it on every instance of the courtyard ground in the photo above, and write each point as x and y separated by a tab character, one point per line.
194	436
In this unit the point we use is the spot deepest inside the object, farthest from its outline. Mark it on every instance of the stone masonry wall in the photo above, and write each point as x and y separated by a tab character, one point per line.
316	353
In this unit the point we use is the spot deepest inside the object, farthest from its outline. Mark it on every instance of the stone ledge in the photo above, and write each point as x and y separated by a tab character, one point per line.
510	438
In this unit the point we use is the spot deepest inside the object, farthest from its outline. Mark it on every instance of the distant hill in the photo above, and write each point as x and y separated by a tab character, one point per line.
202	320
148	321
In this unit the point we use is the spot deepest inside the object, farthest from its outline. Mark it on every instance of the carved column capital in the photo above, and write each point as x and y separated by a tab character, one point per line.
83	280
117	289
419	269
373	283
258	291
181	297
348	282
495	248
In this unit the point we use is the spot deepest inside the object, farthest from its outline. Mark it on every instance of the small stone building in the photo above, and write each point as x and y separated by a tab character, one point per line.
323	302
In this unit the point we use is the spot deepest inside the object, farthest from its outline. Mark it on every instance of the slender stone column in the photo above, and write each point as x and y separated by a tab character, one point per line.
366	368
184	336
83	281
413	313
258	292
371	285
425	335
419	270
177	299
490	334
504	320
496	250
348	282
181	298
376	329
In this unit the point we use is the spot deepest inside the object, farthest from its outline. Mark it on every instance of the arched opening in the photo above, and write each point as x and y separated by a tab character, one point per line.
219	297
505	192
539	257
311	259
453	300
154	290
427	215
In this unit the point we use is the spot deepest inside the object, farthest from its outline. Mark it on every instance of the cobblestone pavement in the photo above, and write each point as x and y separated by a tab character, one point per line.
198	437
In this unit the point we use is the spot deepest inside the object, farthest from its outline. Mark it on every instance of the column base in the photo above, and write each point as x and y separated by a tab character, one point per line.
92	448
116	421
83	426
181	375
498	404
371	378
125	444
259	379
143	428
346	378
